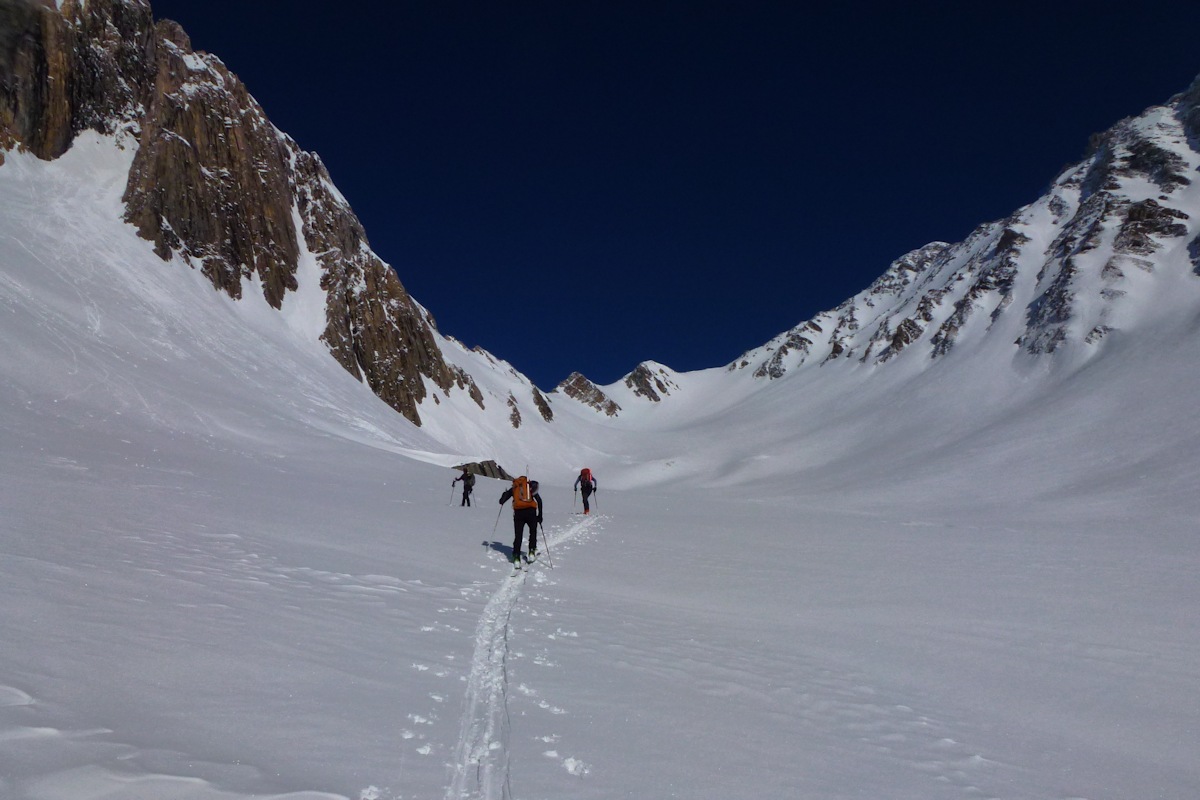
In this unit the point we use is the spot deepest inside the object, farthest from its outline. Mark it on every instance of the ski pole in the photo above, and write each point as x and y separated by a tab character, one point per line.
575	500
451	495
498	513
546	541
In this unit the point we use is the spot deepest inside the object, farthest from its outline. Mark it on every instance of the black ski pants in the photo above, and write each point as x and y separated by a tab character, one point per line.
523	517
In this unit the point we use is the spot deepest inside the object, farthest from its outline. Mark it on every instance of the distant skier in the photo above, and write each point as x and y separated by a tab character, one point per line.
587	484
527	511
468	479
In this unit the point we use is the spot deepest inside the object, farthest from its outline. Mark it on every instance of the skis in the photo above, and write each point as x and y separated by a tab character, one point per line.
522	563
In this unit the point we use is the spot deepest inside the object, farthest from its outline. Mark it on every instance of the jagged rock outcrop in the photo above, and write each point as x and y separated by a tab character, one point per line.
652	381
1110	190
515	411
465	382
373	327
1146	225
577	387
543	405
797	340
213	182
836	334
995	275
902	274
539	401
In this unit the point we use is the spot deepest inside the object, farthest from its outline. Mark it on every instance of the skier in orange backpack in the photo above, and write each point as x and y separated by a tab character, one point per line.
588	484
527	511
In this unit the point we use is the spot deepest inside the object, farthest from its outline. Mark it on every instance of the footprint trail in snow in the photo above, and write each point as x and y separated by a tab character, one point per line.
481	764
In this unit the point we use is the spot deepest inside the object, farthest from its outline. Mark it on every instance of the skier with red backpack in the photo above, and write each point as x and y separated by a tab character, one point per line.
588	484
527	511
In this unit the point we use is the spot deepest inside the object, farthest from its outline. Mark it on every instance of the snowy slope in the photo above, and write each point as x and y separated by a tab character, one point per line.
1081	299
229	571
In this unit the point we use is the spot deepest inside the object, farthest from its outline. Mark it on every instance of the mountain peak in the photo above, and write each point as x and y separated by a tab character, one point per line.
651	380
578	387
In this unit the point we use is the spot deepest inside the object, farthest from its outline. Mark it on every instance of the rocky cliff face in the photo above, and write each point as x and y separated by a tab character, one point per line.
213	182
66	70
211	179
1055	274
373	327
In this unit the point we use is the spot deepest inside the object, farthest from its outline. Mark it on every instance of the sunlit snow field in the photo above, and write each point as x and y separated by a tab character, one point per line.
227	571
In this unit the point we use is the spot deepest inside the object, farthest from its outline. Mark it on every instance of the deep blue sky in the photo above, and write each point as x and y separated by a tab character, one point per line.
586	184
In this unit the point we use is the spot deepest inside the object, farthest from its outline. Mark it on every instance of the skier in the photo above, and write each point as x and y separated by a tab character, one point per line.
527	511
588	484
468	479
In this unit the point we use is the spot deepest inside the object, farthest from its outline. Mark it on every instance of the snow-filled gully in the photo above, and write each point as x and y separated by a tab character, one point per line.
481	763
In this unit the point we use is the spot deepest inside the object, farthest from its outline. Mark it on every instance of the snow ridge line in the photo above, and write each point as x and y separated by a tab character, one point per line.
481	764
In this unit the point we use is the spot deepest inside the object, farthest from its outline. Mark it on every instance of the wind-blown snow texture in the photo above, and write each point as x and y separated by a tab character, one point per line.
228	571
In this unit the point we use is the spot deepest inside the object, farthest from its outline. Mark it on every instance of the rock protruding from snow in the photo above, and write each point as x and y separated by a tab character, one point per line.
652	381
543	405
578	387
1125	199
373	326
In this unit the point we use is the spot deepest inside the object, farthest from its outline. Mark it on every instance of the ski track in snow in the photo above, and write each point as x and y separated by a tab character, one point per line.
481	765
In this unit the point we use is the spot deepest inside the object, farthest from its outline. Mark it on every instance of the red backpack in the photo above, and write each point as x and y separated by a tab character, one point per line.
522	494
585	477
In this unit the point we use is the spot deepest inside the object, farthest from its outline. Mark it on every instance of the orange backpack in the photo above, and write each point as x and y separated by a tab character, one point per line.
522	494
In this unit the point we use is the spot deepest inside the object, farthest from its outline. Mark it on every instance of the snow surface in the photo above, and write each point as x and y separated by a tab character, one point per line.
228	571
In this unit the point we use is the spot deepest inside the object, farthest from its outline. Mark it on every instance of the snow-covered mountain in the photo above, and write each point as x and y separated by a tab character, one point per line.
938	542
1109	248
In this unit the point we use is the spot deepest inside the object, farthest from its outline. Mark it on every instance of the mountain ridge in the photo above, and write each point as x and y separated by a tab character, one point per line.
215	185
1121	202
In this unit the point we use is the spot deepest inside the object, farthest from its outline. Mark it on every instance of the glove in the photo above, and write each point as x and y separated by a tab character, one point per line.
539	520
